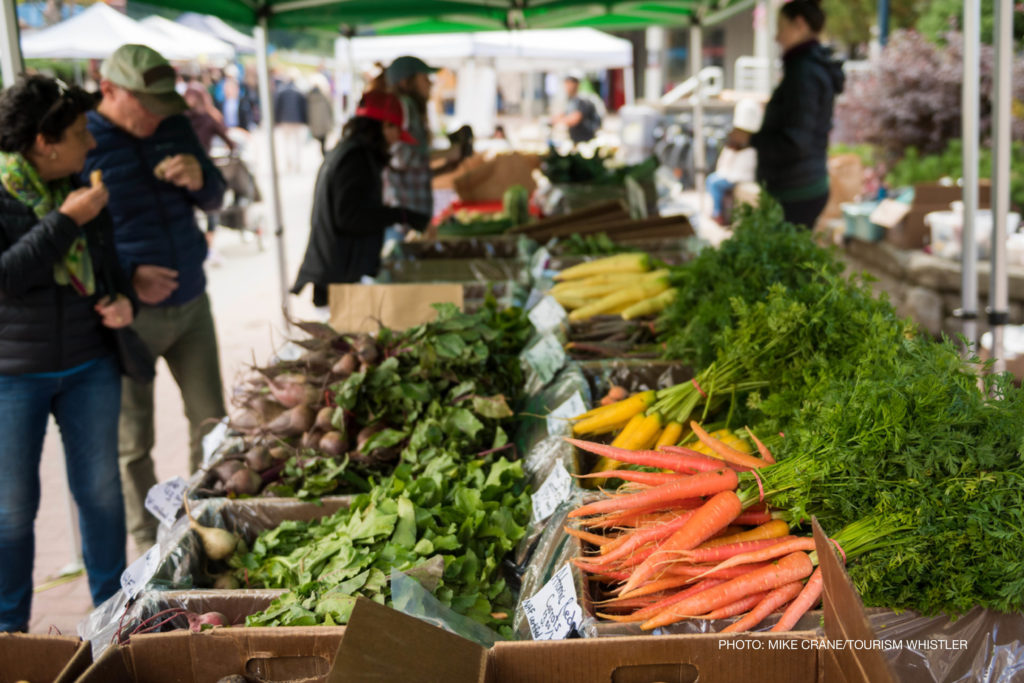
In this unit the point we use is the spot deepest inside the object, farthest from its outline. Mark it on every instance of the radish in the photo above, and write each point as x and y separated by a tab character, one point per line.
323	419
218	544
196	622
258	458
227	468
311	439
244	482
293	422
346	365
333	443
226	581
288	389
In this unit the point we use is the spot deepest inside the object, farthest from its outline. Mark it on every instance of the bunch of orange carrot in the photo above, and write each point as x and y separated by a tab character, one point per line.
687	542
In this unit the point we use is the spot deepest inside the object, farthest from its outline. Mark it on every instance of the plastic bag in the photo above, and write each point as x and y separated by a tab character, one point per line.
410	597
534	424
980	645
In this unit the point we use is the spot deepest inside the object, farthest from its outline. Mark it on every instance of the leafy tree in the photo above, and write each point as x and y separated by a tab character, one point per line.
939	17
850	21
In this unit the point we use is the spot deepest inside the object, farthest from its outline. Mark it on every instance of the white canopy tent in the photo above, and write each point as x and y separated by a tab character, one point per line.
478	57
94	34
219	29
202	45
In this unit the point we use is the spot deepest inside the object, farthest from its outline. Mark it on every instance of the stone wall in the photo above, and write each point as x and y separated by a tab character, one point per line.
927	288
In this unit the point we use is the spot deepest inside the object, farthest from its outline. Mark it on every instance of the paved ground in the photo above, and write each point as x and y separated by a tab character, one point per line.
244	288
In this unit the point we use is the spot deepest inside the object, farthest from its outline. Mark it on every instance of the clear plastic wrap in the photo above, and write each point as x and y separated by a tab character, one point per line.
533	424
183	565
410	597
632	375
980	645
551	549
151	610
543	357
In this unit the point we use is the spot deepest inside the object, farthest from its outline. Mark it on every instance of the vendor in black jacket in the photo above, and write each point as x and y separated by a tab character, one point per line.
792	145
61	291
349	217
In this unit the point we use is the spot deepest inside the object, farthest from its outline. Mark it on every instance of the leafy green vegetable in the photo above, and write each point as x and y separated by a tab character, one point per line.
762	251
464	515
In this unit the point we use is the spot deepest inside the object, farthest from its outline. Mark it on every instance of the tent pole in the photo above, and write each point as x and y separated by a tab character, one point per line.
11	63
355	94
274	208
969	126
998	314
699	157
629	85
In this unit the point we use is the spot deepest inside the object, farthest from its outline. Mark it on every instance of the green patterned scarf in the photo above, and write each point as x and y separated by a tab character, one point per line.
22	180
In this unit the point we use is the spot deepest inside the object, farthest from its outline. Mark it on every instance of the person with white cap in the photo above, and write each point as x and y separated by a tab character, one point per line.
736	163
158	175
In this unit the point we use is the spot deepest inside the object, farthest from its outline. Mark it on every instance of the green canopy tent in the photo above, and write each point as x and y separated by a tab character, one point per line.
396	17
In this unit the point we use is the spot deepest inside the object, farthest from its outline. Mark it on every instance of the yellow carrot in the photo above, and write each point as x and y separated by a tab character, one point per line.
670	436
598	420
655	304
643	289
620	263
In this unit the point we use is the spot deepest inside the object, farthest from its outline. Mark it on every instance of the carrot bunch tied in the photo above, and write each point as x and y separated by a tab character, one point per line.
700	543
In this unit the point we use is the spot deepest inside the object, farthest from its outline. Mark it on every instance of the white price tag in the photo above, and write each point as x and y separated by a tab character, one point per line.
139	572
553	612
164	500
546	357
213	440
540	258
547	315
552	493
557	418
535	296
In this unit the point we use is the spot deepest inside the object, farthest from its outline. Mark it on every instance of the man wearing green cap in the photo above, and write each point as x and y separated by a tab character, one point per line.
157	175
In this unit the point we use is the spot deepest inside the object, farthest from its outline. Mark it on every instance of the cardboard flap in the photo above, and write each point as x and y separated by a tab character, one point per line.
846	621
364	308
382	644
889	213
35	657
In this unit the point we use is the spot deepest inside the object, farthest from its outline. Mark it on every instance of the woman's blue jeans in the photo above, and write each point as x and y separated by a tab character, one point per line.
86	405
718	187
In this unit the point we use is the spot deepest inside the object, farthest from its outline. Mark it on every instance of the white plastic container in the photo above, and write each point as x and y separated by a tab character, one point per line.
946	229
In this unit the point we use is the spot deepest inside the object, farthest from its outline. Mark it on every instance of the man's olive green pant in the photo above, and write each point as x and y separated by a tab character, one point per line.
184	336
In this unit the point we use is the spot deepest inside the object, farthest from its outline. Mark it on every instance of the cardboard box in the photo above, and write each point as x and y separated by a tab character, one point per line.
381	644
487	180
365	308
31	657
283	655
911	232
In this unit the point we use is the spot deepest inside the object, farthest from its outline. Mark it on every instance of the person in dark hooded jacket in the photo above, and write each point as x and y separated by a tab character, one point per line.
349	216
792	145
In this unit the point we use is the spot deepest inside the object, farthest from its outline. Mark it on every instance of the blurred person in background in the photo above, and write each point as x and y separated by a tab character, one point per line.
320	111
158	175
290	118
208	124
792	145
581	116
349	217
409	176
61	292
737	163
236	111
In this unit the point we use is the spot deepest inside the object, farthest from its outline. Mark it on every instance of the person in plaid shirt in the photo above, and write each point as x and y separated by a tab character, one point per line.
409	175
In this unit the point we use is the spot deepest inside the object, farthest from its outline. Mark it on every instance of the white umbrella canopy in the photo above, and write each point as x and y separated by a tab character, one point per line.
219	29
94	34
200	44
